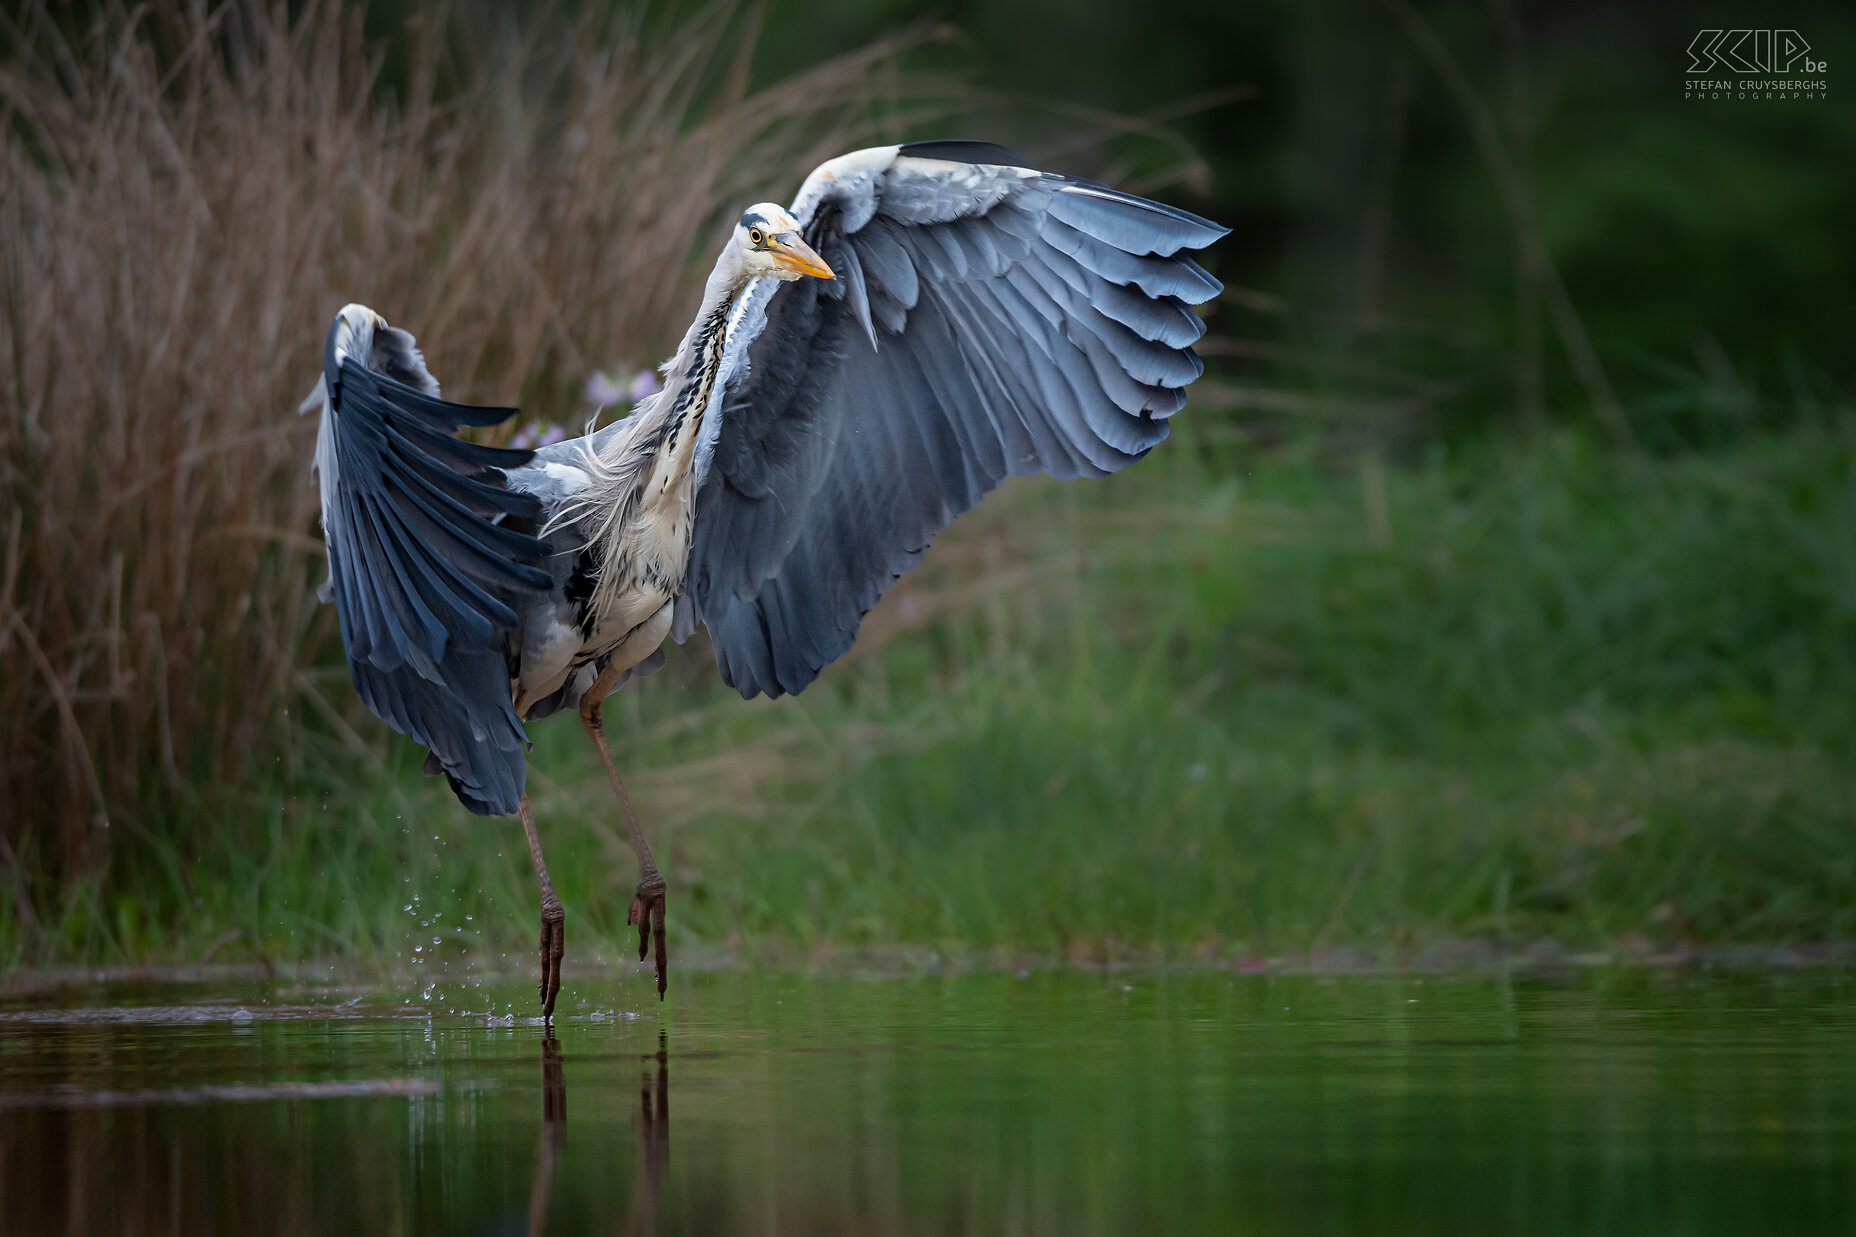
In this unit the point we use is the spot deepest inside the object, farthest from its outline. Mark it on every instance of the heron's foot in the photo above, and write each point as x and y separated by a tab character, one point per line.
553	944
647	914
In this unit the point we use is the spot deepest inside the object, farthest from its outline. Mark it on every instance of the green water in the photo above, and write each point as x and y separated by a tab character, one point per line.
1636	1102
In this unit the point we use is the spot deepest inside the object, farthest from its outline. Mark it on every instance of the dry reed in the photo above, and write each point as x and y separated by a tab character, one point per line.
189	198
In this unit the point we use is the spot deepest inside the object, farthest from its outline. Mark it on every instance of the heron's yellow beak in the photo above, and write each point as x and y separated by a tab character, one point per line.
795	255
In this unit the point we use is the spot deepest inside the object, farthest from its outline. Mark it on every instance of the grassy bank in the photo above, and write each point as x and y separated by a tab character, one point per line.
191	194
1208	707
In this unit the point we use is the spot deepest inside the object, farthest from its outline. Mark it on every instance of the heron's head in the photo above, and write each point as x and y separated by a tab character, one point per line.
354	330
770	246
360	334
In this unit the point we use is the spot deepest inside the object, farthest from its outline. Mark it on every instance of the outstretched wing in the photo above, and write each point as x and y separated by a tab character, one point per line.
422	568
987	320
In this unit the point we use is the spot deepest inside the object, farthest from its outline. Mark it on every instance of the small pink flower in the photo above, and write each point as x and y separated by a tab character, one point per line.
603	390
524	438
551	435
644	386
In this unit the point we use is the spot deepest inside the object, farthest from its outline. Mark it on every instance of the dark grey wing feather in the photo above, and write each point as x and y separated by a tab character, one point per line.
425	570
988	320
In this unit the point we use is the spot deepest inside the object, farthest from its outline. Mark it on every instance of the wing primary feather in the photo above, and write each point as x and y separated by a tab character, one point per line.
1132	224
1155	276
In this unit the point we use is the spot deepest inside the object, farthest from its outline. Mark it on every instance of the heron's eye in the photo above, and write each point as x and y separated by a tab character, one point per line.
754	237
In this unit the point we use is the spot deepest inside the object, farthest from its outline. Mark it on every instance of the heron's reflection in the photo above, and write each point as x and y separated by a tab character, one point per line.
553	1090
553	1131
653	1135
653	1138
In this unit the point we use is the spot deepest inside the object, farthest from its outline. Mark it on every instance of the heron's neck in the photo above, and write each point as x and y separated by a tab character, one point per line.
691	379
638	507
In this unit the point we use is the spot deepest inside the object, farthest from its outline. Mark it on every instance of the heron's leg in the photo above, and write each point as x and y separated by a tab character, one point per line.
647	909
553	918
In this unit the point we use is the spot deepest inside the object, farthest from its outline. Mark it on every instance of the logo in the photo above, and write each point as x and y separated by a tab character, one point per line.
1752	51
1748	53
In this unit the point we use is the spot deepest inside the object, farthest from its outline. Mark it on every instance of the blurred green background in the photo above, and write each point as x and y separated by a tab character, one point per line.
1699	240
1497	586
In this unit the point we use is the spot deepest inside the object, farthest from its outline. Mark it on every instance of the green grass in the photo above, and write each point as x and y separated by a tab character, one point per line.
1202	709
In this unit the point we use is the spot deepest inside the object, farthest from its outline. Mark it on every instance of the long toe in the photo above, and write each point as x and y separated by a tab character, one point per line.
557	948
663	957
647	914
553	945
639	915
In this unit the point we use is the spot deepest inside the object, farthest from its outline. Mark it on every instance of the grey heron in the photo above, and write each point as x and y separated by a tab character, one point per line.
925	320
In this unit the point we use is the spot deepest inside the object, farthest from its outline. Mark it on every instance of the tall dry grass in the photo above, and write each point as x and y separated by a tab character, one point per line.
189	196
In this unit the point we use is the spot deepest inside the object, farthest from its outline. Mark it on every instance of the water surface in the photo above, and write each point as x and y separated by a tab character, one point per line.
1689	1101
